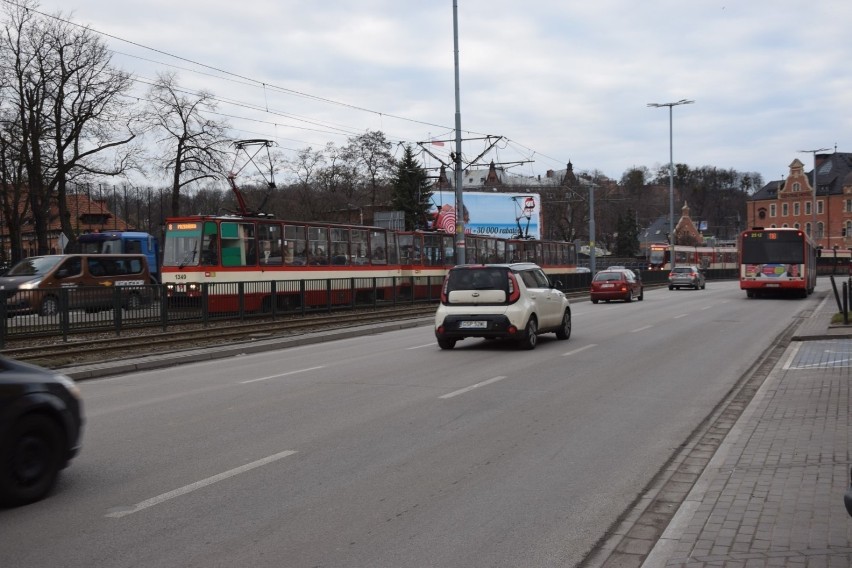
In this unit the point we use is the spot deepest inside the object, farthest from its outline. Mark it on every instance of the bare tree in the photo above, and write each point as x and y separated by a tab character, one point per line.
195	146
67	100
372	154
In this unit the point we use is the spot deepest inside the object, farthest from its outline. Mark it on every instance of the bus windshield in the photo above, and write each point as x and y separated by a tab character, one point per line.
763	247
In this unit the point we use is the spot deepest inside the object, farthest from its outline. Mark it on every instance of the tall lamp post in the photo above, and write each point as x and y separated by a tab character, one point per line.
671	172
814	201
459	237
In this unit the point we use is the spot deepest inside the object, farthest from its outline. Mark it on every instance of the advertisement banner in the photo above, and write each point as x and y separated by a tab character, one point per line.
504	215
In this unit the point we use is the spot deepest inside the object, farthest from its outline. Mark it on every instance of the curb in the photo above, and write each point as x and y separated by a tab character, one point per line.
149	362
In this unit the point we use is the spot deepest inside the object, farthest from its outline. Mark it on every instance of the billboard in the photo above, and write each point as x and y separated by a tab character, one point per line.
504	215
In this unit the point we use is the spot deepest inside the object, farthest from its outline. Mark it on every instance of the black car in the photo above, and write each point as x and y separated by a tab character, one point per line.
41	424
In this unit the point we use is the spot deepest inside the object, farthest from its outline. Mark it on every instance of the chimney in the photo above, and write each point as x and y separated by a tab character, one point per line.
550	173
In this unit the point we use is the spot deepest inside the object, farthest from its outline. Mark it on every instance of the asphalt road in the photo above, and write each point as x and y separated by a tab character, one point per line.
384	451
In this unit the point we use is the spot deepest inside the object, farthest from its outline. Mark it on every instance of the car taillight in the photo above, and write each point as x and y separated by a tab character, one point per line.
444	294
671	274
514	291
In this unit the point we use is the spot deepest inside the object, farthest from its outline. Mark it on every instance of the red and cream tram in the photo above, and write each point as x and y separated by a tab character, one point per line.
252	263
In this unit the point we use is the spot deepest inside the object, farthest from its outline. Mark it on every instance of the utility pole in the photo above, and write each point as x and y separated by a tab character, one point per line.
459	238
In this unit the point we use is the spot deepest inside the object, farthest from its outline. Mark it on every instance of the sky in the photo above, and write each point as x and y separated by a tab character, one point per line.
558	80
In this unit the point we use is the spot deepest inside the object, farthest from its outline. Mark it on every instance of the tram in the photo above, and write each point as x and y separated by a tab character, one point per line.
258	263
705	257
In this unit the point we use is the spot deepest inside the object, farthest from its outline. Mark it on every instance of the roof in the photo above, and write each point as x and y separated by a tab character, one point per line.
833	172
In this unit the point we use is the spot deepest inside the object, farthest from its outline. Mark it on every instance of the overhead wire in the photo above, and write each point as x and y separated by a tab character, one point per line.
223	74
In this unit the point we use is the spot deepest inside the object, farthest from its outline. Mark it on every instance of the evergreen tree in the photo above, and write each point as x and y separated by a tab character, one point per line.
411	191
627	242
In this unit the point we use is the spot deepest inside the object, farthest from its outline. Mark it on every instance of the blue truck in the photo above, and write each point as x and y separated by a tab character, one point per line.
120	242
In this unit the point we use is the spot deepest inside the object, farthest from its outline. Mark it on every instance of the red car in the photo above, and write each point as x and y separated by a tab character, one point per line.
620	284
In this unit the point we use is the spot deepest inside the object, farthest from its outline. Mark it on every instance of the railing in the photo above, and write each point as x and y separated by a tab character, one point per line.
67	311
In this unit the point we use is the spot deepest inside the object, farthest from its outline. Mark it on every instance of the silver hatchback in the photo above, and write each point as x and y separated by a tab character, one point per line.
687	277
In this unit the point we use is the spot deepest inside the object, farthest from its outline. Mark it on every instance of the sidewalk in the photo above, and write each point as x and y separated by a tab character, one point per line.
772	495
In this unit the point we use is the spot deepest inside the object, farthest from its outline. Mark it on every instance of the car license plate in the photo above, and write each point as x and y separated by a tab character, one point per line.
473	325
607	285
772	285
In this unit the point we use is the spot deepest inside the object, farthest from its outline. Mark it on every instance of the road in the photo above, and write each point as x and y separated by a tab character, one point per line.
384	451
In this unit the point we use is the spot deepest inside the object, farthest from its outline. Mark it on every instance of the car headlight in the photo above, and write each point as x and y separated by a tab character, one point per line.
31	285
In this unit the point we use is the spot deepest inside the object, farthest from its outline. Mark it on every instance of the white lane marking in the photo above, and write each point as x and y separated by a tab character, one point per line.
641	328
680	316
471	387
583	348
706	308
141	506
421	346
281	375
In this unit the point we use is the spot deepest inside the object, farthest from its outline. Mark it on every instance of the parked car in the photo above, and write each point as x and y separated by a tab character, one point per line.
688	276
617	284
41	424
500	301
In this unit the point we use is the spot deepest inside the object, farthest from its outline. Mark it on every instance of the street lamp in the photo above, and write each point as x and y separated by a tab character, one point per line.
671	171
813	205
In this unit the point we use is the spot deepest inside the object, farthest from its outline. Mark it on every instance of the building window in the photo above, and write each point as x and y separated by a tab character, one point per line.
819	230
772	210
848	205
784	226
796	226
848	228
807	207
808	228
797	186
819	207
797	209
785	209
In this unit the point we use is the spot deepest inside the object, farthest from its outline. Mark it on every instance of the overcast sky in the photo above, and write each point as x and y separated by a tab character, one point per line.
560	80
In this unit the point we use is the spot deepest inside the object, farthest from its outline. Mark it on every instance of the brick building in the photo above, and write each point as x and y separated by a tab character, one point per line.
87	216
790	202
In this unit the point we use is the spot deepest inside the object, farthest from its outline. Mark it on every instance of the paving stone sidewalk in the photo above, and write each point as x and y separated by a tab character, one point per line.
772	496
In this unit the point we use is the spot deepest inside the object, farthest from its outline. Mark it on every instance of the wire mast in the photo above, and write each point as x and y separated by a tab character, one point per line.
258	145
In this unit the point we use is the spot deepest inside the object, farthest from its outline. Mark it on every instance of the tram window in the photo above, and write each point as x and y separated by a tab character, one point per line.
359	246
378	247
449	250
432	250
318	245
238	244
339	246
210	245
500	251
295	253
393	249
269	238
406	246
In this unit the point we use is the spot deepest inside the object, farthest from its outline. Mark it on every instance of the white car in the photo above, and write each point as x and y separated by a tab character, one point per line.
500	301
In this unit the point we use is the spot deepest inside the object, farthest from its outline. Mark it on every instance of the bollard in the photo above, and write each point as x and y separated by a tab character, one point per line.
845	303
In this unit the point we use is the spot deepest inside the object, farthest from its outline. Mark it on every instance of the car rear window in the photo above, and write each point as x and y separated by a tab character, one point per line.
477	279
607	276
683	270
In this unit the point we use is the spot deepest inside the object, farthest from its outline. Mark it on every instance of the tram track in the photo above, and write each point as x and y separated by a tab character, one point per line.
99	347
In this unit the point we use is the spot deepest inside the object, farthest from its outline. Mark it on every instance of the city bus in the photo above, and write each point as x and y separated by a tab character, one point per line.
777	261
